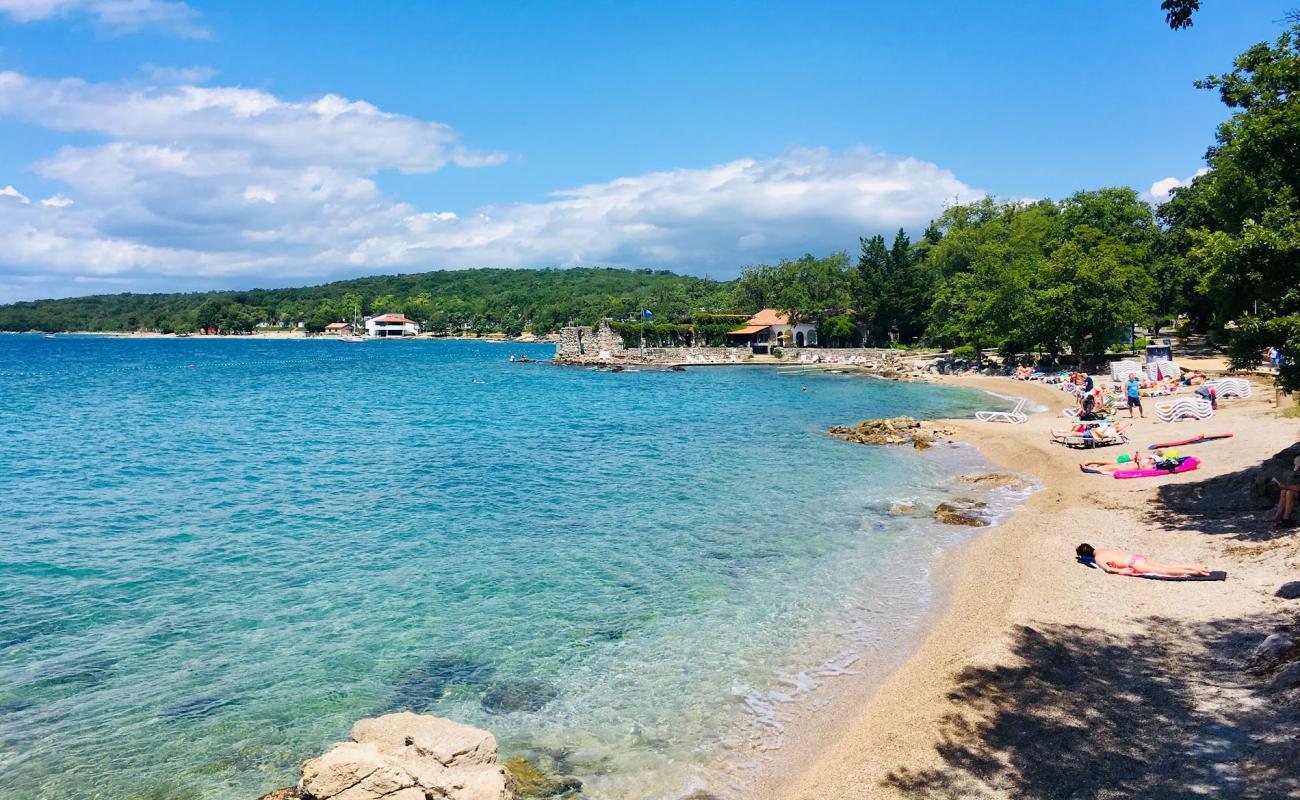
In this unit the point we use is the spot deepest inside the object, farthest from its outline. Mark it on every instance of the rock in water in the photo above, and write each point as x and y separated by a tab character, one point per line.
960	512
526	695
999	480
407	756
891	430
530	782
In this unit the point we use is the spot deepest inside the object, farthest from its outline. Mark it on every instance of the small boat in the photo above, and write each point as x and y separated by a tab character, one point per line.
352	338
49	336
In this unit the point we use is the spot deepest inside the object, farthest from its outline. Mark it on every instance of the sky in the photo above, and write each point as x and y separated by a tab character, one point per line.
157	145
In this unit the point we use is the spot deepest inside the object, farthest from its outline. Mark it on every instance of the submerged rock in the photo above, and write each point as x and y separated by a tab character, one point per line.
995	480
525	695
287	793
407	756
530	782
420	687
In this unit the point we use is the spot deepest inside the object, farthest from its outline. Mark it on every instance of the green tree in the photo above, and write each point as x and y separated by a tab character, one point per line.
1239	223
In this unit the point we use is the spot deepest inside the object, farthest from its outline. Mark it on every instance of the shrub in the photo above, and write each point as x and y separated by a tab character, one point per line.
966	351
777	352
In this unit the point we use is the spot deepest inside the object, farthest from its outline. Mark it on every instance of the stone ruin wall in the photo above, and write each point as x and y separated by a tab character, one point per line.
581	343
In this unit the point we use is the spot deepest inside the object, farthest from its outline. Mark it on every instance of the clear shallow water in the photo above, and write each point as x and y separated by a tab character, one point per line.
216	555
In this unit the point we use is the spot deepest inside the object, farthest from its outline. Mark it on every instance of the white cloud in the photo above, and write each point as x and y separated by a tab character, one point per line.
194	187
112	16
10	191
1162	189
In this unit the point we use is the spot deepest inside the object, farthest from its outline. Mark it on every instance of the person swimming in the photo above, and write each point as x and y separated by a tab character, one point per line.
1120	562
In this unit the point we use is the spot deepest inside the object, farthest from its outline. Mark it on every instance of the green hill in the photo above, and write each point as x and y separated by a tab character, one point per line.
481	300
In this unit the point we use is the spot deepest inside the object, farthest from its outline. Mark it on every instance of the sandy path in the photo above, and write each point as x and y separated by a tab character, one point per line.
1044	678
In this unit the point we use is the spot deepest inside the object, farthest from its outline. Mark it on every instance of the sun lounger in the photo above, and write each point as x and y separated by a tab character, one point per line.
1120	370
1083	442
1183	408
1229	387
1015	416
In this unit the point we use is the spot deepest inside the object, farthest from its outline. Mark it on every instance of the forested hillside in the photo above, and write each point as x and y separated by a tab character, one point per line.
482	300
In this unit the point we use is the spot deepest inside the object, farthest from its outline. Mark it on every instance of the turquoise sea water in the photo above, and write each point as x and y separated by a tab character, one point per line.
216	555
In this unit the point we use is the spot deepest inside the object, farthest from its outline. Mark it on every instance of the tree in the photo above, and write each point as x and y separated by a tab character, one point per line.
1178	13
1239	223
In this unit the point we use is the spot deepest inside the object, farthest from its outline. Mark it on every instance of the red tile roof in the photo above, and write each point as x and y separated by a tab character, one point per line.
395	318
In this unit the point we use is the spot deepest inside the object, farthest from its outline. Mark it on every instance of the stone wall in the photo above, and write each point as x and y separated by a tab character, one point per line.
581	343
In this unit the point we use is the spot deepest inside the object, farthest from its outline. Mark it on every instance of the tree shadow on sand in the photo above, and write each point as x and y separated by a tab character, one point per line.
1092	714
1234	504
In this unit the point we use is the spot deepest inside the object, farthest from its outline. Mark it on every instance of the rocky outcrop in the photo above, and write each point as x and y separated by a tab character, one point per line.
892	431
406	756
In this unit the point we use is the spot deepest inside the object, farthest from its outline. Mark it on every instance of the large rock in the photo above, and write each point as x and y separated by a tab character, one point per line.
995	480
1274	650
407	756
1289	590
1287	678
891	430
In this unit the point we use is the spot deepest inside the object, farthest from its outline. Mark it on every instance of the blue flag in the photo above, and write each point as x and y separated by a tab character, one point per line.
646	313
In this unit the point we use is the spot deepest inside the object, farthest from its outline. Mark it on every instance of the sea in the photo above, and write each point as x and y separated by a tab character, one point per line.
216	555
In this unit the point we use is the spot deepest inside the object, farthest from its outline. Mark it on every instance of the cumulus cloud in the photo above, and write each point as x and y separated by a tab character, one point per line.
112	16
10	191
1163	189
193	187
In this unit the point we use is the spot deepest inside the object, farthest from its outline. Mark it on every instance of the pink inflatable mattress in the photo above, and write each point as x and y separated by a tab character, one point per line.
1188	464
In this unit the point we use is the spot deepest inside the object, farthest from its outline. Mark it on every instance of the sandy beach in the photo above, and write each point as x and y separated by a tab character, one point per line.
1045	678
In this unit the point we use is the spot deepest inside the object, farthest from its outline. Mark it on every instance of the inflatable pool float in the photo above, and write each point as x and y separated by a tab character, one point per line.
1187	464
1204	437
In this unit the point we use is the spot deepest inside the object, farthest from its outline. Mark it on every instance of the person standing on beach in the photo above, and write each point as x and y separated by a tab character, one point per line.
1134	392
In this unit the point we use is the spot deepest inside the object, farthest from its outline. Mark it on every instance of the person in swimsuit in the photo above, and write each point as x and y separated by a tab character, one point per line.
1119	562
1138	460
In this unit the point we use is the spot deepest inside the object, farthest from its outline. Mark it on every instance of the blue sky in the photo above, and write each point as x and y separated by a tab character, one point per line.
186	146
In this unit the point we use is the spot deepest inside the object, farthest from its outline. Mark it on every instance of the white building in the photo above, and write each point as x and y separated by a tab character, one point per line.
769	328
386	325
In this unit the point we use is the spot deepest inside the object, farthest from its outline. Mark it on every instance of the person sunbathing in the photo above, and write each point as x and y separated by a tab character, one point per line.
1138	460
1119	562
1106	431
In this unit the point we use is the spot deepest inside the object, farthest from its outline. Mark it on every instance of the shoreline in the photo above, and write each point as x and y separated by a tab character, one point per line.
933	726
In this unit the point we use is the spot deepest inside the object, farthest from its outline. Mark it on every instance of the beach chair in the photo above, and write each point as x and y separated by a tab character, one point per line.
1015	416
1183	408
1082	441
1120	370
1159	370
1225	388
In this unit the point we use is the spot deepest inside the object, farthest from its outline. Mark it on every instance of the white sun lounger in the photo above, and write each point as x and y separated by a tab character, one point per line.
1183	408
1015	416
1230	387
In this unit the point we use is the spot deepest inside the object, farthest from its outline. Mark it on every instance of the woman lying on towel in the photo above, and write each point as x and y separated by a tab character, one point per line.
1138	460
1118	562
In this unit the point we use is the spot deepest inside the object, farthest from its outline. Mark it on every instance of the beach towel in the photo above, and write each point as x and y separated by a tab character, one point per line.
1204	437
1185	464
1215	575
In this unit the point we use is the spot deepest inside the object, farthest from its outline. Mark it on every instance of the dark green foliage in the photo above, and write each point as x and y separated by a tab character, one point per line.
1043	276
895	287
480	300
1235	232
1178	13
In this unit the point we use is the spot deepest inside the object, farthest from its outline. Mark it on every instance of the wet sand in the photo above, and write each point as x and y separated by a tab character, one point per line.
1044	678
